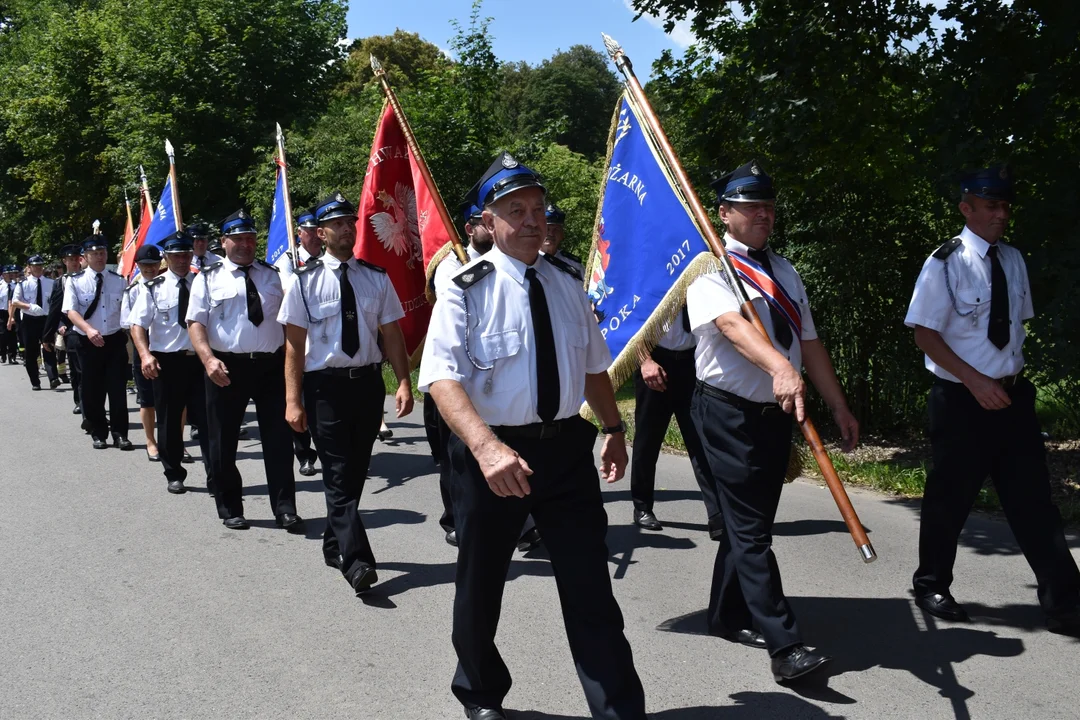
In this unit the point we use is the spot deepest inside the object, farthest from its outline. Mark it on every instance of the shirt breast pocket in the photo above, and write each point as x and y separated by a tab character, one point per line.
973	303
322	311
370	307
495	346
219	294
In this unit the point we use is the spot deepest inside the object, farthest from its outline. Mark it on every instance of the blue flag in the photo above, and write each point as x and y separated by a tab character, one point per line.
647	247
163	222
277	241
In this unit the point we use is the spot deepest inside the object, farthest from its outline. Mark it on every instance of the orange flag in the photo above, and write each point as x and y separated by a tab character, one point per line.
399	227
127	254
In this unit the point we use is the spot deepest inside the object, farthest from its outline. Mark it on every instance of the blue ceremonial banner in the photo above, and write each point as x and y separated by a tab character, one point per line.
277	241
163	222
647	248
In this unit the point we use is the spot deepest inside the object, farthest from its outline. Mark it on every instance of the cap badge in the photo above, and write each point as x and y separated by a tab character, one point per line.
509	162
755	170
241	215
339	198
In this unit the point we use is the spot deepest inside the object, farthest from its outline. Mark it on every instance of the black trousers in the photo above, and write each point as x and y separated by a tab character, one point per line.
104	371
301	445
72	342
969	444
180	383
261	379
569	512
747	445
144	386
31	339
652	415
344	415
438	434
9	343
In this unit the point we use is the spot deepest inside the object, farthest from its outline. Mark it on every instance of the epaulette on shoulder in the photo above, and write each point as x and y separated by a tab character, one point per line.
570	256
211	268
469	275
947	249
156	281
309	265
366	264
116	274
564	266
262	262
133	284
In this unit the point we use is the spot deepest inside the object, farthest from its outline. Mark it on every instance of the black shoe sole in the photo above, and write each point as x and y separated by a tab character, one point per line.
781	679
364	580
243	526
961	616
180	491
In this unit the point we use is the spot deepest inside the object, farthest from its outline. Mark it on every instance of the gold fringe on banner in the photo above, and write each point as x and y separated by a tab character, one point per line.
429	275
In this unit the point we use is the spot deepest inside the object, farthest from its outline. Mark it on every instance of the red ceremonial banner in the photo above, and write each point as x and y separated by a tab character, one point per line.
398	227
132	244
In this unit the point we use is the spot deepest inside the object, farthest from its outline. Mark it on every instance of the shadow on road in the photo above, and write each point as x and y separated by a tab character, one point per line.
399	468
747	706
622	540
801	528
422	575
861	633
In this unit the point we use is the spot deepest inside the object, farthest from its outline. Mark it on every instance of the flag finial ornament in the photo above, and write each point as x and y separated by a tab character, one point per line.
376	66
280	135
611	45
97	227
169	149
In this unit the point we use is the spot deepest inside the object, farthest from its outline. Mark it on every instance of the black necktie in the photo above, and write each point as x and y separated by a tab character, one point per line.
685	319
350	330
97	298
184	295
39	292
254	303
780	324
998	332
547	363
10	290
199	260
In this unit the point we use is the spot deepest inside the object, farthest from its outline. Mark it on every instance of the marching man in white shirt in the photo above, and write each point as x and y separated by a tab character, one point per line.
32	296
334	311
968	310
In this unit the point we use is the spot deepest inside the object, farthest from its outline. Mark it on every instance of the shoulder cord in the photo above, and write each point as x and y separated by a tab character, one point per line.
952	297
468	354
300	282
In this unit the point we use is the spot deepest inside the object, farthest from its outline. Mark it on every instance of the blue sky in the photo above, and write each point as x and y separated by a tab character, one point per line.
523	30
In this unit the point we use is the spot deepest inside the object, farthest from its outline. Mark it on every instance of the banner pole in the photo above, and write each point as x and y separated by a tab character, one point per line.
289	230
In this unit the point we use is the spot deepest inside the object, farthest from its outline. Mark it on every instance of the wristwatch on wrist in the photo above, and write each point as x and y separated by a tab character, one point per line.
620	428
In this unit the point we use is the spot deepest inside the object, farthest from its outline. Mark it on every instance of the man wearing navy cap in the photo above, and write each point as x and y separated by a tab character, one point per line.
334	312
553	242
749	388
32	297
308	246
92	302
57	323
968	311
232	323
159	330
512	348
148	258
9	343
203	255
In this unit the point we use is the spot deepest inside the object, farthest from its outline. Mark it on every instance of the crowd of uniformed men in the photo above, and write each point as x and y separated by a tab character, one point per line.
512	348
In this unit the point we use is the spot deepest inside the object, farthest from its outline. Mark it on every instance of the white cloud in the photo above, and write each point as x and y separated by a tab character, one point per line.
682	35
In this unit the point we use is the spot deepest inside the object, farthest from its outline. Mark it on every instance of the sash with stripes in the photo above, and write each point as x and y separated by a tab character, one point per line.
754	275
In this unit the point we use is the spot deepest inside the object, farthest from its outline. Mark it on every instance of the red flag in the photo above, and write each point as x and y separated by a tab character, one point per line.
127	254
399	227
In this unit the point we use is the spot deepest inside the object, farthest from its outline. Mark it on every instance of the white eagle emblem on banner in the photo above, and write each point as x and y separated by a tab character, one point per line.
398	227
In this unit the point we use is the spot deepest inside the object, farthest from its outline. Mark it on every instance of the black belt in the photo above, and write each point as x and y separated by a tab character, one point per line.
534	431
352	373
674	354
174	353
246	356
738	401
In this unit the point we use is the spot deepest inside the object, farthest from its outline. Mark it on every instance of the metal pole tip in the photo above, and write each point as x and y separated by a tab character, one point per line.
867	552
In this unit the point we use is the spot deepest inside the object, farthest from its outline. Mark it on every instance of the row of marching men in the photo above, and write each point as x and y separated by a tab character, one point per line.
512	347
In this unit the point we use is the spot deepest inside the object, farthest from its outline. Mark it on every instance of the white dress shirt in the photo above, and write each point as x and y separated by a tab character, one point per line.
156	311
501	338
448	268
963	326
131	296
676	337
4	285
313	302
26	292
717	361
284	263
79	293
219	302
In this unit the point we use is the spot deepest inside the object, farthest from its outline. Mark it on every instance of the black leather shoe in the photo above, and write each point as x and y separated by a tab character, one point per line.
290	521
334	562
176	487
236	523
645	520
36	388
194	434
479	713
1065	623
364	578
528	541
795	663
749	638
307	468
243	433
942	606
53	384
76	410
187	459
122	442
153	458
451	538
64	378
100	444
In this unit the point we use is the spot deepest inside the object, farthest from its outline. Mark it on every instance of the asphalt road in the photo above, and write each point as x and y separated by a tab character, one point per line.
118	600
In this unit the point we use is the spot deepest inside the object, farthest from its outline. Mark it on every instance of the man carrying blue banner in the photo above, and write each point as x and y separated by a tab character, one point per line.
748	389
